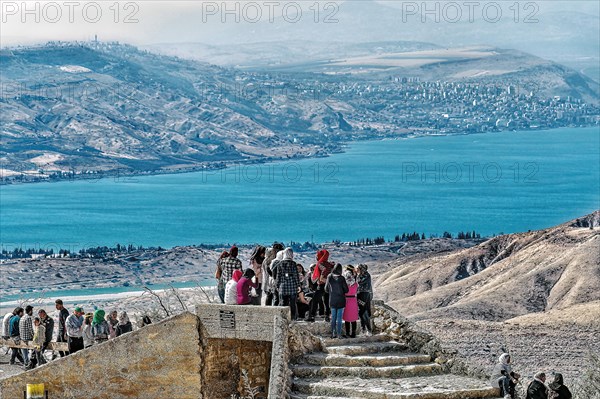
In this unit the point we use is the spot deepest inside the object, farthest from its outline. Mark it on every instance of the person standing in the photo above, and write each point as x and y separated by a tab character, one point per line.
537	389
256	260
48	323
350	315
287	282
6	324
112	320
74	325
15	335
557	388
100	327
243	288
39	336
218	275
88	336
230	264
124	325
26	332
63	314
268	283
364	295
337	289
319	277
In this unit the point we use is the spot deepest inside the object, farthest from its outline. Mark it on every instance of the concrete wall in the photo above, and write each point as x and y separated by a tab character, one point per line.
160	361
244	338
224	350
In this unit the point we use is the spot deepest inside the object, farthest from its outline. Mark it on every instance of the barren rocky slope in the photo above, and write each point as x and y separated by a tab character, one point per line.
502	278
532	294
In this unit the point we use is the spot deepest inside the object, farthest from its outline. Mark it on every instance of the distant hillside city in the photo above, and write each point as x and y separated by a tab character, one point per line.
82	109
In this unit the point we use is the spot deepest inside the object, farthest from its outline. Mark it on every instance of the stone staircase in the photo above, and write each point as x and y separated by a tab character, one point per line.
376	367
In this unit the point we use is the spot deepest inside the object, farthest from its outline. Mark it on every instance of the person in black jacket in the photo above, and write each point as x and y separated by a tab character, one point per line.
337	288
537	389
124	325
557	389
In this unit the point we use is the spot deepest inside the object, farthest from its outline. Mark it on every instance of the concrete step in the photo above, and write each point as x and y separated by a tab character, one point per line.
347	348
373	360
358	340
311	371
446	386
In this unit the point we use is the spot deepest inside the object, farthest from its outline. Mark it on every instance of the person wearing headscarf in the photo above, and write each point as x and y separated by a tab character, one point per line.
218	274
337	288
503	377
244	286
256	261
557	388
287	282
88	337
302	300
364	295
537	388
100	327
268	283
112	320
319	276
350	315
274	269
124	325
231	288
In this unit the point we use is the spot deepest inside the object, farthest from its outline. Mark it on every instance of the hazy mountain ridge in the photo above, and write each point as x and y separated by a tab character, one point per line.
90	108
505	277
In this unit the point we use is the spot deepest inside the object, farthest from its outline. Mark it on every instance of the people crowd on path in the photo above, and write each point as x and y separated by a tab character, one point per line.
274	278
506	380
78	329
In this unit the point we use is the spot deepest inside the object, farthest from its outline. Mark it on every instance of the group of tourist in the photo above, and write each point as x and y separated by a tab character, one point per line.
78	329
342	294
504	378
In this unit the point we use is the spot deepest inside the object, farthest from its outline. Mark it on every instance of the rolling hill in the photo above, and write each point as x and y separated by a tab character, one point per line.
502	278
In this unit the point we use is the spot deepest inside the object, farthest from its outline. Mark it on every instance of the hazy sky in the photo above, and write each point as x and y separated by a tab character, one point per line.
147	22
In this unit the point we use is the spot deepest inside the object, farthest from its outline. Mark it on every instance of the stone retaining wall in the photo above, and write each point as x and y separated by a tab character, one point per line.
159	361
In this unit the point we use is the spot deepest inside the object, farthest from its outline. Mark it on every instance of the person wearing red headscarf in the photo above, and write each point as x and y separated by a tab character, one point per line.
319	277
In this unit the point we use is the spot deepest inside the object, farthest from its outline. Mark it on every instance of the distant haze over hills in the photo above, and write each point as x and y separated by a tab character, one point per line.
562	31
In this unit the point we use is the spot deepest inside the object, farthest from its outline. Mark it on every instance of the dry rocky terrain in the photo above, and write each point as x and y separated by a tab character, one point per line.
532	294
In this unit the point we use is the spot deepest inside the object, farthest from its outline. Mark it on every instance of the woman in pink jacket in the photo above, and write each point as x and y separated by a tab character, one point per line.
351	310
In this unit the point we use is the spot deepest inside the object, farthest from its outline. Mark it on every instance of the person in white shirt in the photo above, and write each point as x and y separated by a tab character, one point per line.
75	330
6	325
231	288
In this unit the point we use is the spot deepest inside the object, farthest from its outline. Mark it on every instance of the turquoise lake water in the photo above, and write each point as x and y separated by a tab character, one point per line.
497	182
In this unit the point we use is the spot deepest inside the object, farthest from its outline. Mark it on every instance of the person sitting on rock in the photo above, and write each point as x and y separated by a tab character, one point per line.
231	288
244	286
557	389
537	389
504	378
